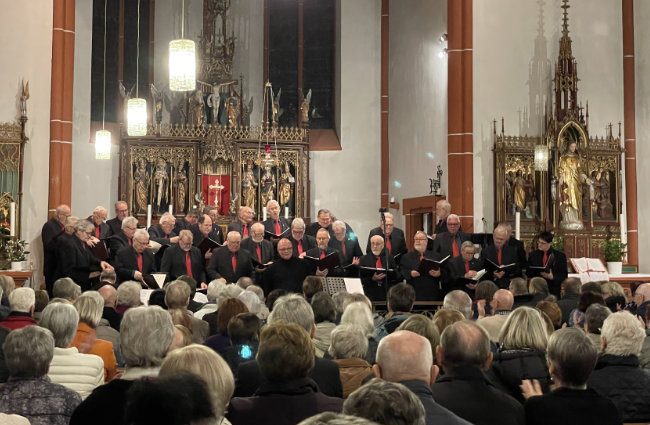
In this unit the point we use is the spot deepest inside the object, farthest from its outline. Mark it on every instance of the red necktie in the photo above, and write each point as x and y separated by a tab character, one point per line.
300	247
83	244
499	257
188	264
454	247
259	253
234	263
466	266
343	248
421	256
130	241
245	230
545	258
388	247
140	261
378	263
322	255
166	236
277	227
97	231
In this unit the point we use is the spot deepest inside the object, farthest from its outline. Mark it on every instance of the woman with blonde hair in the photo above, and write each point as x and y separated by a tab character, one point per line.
522	352
205	363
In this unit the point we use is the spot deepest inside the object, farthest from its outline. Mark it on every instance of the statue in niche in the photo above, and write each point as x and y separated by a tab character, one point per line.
141	179
510	177
161	180
181	191
196	108
268	185
304	108
519	191
286	180
249	187
233	109
571	178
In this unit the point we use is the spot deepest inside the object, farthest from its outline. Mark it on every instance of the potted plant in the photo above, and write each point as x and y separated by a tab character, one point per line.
614	250
15	249
558	243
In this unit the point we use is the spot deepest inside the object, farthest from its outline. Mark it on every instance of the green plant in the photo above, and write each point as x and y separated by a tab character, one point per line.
613	249
15	249
558	243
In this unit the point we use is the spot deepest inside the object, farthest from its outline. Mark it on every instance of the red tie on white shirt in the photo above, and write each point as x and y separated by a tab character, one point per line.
188	264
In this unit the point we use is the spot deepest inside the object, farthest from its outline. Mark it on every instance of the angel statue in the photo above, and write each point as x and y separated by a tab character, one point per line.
304	108
157	104
276	110
161	179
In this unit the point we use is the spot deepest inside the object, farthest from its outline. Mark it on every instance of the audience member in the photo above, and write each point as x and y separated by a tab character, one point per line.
348	347
285	358
613	295
244	334
571	358
339	299
464	354
41	299
458	300
229	309
446	317
21	304
177	297
594	318
214	289
519	289
79	372
407	358
552	311
358	313
569	300
586	299
423	326
192	283
128	296
324	316
400	303
386	403
66	288
502	306
109	294
483	295
331	418
29	392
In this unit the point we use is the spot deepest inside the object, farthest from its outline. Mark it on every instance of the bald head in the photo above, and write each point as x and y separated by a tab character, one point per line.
109	294
504	299
404	355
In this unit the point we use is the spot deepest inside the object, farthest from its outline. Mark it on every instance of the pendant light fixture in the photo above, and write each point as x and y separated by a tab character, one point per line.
103	136
182	60
137	107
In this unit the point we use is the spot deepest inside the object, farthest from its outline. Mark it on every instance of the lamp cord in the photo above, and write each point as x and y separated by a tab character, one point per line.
104	88
137	56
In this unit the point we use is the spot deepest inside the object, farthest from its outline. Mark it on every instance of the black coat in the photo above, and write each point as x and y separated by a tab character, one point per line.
104	229
567	304
434	413
443	244
198	236
238	226
620	379
220	265
397	241
106	405
181	224
508	256
468	393
316	252
441	227
455	274
352	248
51	229
377	290
114	226
173	263
565	406
558	267
118	242
285	274
510	367
269	225
157	234
308	242
312	228
126	263
76	261
266	249
325	373
50	262
427	287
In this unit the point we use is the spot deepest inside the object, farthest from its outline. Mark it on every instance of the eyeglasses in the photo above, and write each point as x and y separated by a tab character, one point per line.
420	239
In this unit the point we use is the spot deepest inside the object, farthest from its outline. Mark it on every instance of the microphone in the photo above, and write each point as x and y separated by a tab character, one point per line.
383	210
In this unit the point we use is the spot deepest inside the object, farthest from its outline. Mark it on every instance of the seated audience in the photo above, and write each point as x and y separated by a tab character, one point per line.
483	296
614	296
214	289
459	301
4	372
293	309
358	313
244	334
66	288
191	283
539	288
339	298
86	341
109	294
594	318
552	311
146	335
177	297
617	374
446	317
21	304
205	363
586	299
105	331
29	392
400	303
285	358
502	306
464	355
423	326
642	298
407	358
7	285
569	300
310	286
324	316
348	347
79	372
253	303
41	300
519	289
386	403
229	309
128	296
571	358
273	296
331	418
521	353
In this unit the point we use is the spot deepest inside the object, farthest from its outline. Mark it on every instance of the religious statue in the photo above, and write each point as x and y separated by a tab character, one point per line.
181	191
570	184
24	96
161	180
267	185
141	179
304	108
196	108
157	96
217	191
233	109
286	180
249	187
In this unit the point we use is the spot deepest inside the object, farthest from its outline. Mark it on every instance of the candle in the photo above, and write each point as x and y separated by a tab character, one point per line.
392	199
623	228
517	225
148	216
12	219
263	213
171	209
286	213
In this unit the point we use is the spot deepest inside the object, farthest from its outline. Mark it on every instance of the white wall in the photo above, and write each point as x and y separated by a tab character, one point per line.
642	72
94	181
347	181
26	52
504	49
417	98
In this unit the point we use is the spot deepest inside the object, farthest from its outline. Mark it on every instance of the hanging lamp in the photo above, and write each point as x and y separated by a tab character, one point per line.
103	136
136	114
182	61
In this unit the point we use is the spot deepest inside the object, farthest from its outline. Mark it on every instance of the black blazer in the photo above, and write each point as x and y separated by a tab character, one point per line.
521	251
285	274
221	265
198	236
117	242
50	262
104	229
238	226
509	255
114	226
397	241
76	262
325	373
269	224
308	242
312	228
51	229
266	249
126	263
441	227
181	224
352	249
173	263
377	291
454	278
443	244
558	267
427	287
315	252
157	234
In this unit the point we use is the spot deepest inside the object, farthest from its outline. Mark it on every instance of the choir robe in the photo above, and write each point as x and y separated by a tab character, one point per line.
126	263
509	255
375	290
427	287
397	242
454	278
220	265
285	274
173	263
558	267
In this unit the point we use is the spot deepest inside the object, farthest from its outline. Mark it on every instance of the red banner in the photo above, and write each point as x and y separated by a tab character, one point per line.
216	192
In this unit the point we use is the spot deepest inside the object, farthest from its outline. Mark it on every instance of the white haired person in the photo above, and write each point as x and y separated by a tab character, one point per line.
21	303
146	335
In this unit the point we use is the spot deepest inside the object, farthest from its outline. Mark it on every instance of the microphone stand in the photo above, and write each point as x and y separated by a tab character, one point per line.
383	222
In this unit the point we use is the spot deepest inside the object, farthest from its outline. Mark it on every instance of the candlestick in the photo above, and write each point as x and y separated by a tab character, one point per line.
171	209
264	213
286	212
